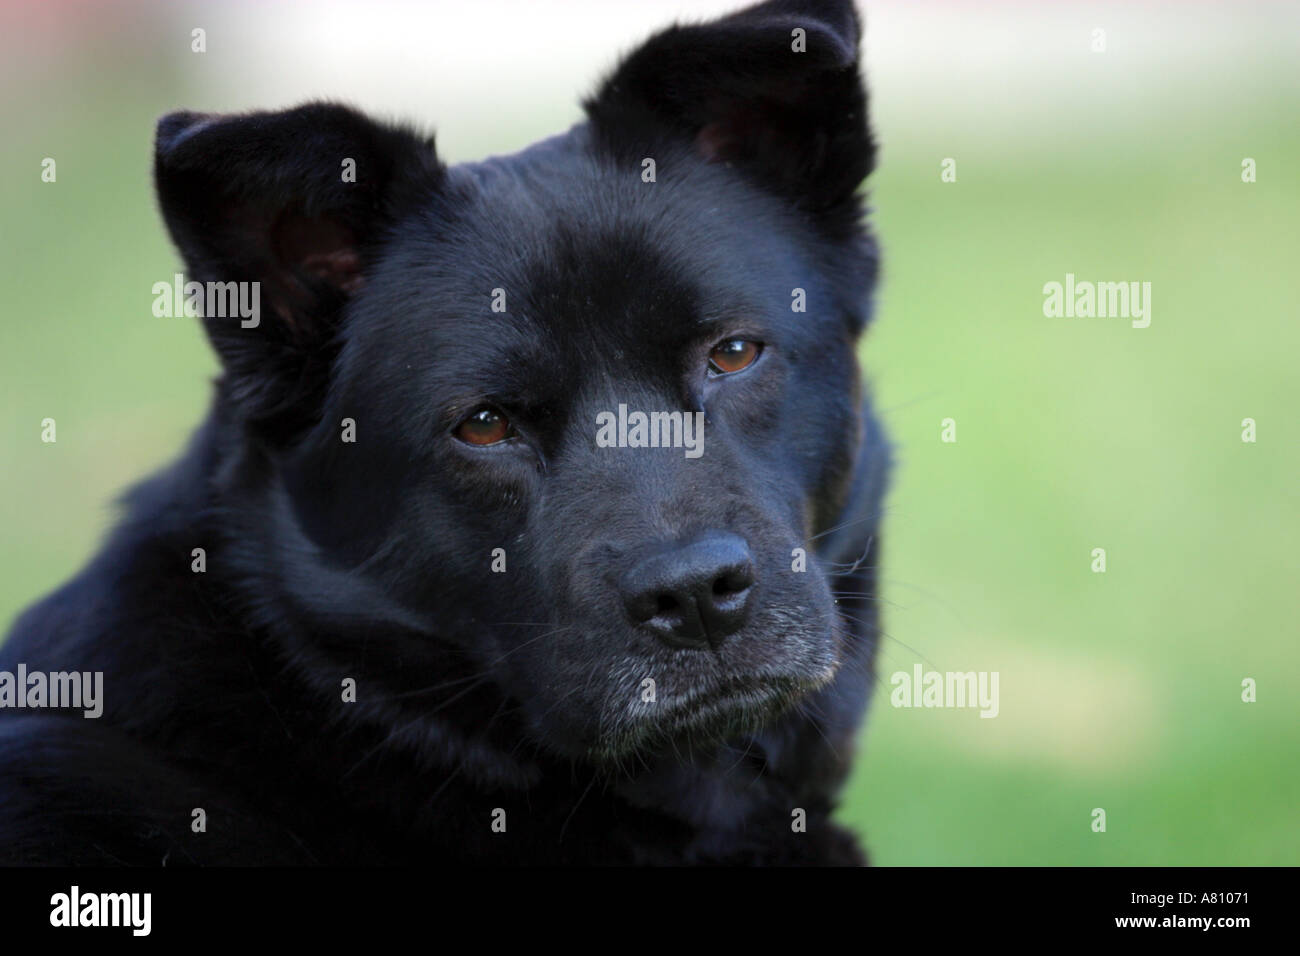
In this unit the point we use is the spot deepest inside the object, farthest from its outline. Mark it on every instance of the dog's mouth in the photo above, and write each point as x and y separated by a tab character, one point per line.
711	713
752	696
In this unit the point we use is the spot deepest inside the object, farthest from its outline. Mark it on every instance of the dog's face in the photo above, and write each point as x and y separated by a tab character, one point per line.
463	380
616	565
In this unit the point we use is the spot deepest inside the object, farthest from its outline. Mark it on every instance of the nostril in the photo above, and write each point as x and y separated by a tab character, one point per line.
733	581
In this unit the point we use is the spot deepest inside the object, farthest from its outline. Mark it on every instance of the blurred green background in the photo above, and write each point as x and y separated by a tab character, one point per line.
1119	690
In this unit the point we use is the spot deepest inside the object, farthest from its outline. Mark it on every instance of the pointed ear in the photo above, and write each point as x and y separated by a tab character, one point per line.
296	202
773	89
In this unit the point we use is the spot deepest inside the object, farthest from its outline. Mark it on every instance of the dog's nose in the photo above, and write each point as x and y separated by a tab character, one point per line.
693	594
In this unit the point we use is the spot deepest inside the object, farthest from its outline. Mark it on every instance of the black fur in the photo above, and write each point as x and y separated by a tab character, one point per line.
329	560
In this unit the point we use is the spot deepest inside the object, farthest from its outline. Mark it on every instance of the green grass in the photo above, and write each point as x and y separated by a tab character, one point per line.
1119	690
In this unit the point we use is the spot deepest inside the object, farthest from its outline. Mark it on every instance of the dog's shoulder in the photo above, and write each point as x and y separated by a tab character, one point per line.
74	793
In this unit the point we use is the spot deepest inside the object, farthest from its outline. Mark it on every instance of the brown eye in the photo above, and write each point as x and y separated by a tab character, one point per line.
485	426
733	355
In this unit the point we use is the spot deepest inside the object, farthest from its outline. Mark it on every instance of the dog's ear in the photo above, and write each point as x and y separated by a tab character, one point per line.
773	89
296	202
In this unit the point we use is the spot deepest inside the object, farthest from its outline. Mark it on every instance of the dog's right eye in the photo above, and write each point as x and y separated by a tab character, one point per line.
733	355
484	426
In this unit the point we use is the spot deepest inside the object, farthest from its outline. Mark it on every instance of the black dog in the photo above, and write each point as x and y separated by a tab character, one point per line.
426	587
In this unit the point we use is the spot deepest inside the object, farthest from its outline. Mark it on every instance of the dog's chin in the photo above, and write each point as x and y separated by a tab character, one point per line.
705	716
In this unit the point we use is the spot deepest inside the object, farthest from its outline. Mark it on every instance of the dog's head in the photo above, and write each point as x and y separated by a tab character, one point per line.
570	423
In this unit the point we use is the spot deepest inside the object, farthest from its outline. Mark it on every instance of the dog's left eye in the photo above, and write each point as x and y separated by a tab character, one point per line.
733	355
484	426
